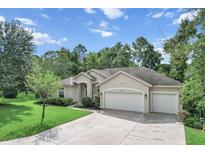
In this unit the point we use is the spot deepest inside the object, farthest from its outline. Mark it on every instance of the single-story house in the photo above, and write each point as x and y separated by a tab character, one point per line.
137	89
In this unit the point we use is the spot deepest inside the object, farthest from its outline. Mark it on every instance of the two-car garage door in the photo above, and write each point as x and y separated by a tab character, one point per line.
162	102
124	101
165	102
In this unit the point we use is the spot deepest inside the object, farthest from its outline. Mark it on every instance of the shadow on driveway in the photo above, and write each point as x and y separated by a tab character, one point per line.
149	118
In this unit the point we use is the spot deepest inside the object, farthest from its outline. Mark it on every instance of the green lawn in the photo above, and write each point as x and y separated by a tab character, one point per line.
194	136
19	117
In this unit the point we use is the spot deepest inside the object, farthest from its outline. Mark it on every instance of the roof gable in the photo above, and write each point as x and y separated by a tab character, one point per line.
145	74
84	74
130	76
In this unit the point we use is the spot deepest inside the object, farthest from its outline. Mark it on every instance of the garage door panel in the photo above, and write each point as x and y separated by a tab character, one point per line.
164	102
124	101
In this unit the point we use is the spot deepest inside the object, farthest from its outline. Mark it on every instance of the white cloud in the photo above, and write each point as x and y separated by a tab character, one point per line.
29	29
165	56
158	45
103	33
169	14
45	16
26	21
187	15
103	24
112	13
90	23
89	10
158	14
2	19
161	14
159	42
126	17
44	38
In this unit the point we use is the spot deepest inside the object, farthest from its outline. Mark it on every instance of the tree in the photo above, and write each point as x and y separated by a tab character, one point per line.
91	61
121	55
43	83
117	56
193	90
105	58
79	53
59	62
144	54
15	57
177	47
164	69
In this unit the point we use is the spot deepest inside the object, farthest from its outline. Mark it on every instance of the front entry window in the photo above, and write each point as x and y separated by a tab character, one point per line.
61	92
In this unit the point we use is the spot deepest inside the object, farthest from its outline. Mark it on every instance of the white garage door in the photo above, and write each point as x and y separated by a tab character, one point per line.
164	102
124	101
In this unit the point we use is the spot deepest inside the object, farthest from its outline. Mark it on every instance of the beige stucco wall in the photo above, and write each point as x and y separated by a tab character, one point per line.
124	81
95	90
168	90
84	79
70	92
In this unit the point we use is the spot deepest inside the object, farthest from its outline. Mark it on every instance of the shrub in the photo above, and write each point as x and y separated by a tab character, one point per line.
1	93
87	102
192	96
183	115
193	122
67	101
97	101
57	101
10	93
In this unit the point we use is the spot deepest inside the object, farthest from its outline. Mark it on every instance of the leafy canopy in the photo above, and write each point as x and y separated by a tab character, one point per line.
15	55
144	54
43	83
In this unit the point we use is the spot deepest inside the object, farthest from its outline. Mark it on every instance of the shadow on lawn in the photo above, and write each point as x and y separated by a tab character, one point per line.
28	131
11	112
19	99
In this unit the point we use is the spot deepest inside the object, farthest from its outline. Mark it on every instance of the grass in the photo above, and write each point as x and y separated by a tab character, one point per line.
20	117
194	136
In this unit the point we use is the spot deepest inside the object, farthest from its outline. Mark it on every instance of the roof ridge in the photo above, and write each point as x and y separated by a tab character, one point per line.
162	75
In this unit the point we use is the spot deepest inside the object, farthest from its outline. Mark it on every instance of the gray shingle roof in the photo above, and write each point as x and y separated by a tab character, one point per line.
148	75
67	81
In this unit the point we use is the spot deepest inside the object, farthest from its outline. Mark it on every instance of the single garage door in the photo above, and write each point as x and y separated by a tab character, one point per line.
165	102
124	101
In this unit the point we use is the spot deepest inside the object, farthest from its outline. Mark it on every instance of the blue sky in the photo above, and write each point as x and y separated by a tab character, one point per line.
97	28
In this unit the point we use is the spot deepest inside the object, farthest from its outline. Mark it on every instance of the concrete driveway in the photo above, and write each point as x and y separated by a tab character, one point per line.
113	127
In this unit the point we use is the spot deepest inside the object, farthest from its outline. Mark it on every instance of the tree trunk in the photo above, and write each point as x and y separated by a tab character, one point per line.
43	112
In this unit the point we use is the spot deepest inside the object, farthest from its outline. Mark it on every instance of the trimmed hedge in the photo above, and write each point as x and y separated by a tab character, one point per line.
10	93
87	102
58	101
